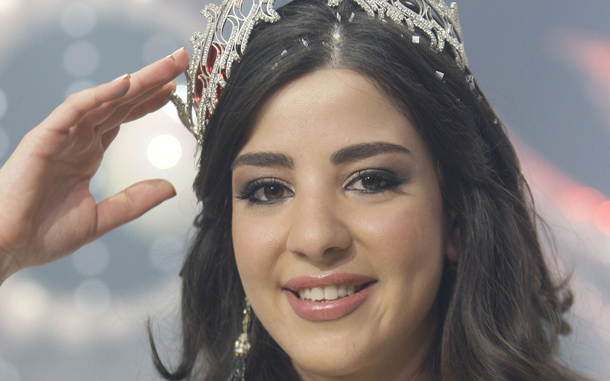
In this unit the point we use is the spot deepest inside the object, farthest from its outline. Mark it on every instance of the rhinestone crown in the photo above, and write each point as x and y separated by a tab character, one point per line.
214	53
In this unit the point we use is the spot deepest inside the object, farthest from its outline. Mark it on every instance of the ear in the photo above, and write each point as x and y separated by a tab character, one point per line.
453	235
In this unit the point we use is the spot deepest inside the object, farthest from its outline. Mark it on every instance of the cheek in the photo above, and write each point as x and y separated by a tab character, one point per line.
257	245
407	248
403	233
406	251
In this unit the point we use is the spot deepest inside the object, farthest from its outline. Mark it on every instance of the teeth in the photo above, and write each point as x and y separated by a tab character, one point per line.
307	294
351	290
317	293
342	291
331	292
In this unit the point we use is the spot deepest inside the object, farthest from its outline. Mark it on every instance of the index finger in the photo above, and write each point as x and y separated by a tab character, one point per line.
115	93
144	83
77	105
155	75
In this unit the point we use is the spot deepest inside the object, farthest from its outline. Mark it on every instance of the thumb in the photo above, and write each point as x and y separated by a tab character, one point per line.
131	203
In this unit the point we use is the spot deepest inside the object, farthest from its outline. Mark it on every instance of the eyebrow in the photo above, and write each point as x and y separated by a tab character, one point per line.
264	159
365	150
344	155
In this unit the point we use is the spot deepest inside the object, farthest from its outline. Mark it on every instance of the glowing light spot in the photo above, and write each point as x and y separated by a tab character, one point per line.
597	58
164	151
81	59
92	297
91	259
581	204
7	5
27	303
78	19
602	218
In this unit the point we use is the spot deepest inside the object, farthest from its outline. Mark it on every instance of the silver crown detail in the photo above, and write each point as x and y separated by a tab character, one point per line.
214	53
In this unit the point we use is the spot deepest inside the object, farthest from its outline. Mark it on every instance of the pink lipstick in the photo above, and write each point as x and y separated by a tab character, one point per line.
306	295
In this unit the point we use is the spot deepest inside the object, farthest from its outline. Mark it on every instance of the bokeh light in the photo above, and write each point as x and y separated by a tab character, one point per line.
164	151
580	203
92	297
78	19
81	59
7	5
126	162
92	259
597	57
26	305
602	218
65	344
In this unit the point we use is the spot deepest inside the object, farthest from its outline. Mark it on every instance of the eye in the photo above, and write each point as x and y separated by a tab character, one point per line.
373	181
269	193
265	191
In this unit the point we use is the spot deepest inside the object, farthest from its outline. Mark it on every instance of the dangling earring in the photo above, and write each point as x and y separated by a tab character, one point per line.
242	347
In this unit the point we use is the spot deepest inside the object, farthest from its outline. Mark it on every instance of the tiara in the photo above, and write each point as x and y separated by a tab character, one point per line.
228	30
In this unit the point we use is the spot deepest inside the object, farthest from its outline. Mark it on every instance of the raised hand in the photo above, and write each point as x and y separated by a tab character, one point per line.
46	209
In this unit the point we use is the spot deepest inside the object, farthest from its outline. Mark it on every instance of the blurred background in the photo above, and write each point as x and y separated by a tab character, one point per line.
545	65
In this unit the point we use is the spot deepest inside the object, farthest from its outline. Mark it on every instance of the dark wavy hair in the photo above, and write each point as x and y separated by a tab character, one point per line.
500	310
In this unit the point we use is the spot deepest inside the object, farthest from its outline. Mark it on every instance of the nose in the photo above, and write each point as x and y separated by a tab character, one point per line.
319	231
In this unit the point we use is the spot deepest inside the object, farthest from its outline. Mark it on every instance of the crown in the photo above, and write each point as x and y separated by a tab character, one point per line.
228	30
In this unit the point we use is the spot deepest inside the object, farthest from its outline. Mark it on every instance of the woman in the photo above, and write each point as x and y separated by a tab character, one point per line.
356	187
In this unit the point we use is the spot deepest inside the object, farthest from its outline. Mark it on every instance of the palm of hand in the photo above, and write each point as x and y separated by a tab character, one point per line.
47	209
51	210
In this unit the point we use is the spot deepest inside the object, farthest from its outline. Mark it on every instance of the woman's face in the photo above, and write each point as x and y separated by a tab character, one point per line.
339	230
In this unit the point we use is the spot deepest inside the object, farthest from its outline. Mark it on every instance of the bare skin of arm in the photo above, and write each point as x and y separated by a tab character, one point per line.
47	211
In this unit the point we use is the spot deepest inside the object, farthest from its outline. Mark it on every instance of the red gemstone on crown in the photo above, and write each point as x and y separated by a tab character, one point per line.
204	72
215	50
218	92
199	85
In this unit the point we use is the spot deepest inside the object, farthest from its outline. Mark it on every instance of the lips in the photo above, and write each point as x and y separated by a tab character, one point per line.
328	297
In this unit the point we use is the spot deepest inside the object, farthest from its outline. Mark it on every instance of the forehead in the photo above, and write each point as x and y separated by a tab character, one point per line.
327	110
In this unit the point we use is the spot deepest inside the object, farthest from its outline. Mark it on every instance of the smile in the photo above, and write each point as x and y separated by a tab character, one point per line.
327	293
328	297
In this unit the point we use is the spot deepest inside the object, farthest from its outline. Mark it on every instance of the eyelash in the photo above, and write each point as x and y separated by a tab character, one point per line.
256	185
390	181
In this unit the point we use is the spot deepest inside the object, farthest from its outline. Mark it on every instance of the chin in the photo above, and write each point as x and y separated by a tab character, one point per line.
331	363
349	349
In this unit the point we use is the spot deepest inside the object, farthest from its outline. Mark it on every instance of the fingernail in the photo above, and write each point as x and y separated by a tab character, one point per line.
176	52
125	76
